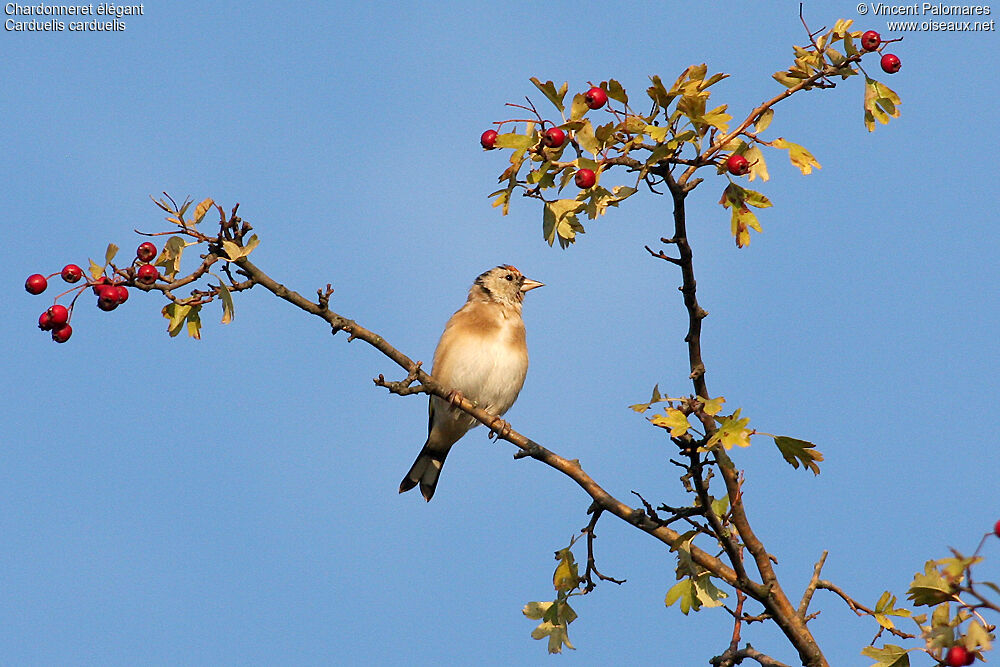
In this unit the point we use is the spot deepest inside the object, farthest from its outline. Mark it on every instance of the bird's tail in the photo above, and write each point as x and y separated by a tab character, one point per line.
425	471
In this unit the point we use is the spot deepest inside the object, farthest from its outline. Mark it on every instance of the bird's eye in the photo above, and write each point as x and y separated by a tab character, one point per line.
509	277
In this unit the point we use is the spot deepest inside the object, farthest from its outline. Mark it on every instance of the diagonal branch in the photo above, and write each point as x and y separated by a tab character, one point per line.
571	468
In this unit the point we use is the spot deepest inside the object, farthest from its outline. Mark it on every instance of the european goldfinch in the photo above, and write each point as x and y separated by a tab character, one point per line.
483	355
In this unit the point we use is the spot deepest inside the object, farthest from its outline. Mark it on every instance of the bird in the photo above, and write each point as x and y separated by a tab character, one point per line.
483	356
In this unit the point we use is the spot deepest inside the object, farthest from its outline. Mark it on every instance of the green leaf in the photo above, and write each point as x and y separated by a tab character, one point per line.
720	505
176	314
170	256
616	92
586	138
658	93
755	199
110	253
929	588
682	591
549	90
559	218
797	451
194	322
516	141
889	656
764	121
579	107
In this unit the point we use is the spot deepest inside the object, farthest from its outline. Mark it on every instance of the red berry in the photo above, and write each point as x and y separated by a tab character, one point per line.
36	283
488	139
958	656
870	40
98	284
72	273
108	297
146	274
890	63
58	315
554	137
45	321
585	178
595	97
145	252
737	165
122	293
62	333
996	529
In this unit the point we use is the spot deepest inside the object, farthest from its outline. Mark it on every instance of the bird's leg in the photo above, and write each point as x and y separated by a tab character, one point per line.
498	428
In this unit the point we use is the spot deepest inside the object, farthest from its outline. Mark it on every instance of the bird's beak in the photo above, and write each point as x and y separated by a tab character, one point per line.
530	284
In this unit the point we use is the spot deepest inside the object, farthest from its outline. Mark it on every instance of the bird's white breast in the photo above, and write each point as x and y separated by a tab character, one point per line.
489	368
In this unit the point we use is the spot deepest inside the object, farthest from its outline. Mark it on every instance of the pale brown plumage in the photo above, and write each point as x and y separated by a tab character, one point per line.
483	355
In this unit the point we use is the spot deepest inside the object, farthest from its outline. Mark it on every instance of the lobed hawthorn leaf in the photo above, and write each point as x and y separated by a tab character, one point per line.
732	431
567	576
978	636
516	141
888	656
929	588
170	256
674	420
712	406
110	253
579	108
96	270
549	90
176	315
797	452
655	398
799	156
616	92
758	166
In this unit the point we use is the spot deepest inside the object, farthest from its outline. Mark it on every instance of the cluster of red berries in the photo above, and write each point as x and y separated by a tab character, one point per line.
737	165
870	41
555	137
110	293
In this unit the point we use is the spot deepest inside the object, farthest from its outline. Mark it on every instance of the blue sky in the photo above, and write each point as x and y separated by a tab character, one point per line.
233	500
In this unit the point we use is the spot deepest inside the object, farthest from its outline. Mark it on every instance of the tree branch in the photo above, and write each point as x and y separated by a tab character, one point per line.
528	448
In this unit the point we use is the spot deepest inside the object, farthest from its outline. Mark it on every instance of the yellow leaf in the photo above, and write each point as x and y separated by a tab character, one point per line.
765	120
675	420
713	405
799	156
202	209
732	431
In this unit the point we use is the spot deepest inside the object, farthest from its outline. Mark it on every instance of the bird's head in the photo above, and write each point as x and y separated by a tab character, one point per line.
502	284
